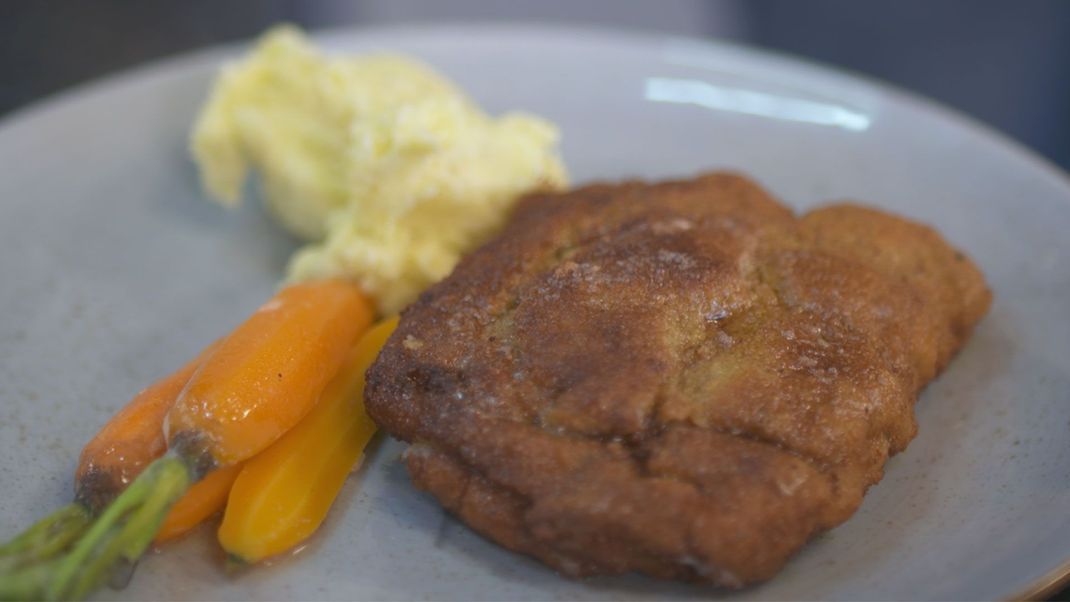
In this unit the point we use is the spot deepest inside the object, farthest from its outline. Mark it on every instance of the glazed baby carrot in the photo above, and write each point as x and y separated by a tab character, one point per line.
130	440
134	438
267	374
204	498
283	494
256	384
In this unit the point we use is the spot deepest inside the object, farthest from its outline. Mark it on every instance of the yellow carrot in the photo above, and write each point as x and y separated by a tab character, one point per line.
283	494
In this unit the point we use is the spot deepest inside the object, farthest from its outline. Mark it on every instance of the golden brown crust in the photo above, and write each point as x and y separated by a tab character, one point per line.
679	378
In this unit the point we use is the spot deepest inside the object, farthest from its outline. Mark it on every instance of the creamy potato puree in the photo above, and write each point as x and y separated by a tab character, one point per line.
387	168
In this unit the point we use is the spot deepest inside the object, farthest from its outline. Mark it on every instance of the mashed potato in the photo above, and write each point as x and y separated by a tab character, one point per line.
388	169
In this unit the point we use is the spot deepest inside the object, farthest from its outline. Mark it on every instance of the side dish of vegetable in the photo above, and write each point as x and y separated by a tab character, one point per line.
390	173
286	382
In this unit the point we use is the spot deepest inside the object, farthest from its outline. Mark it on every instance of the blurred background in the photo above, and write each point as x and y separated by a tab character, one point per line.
1004	62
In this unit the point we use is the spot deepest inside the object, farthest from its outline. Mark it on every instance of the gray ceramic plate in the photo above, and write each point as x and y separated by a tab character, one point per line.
115	271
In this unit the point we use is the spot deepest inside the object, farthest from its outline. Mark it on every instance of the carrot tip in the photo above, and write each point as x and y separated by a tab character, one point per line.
235	564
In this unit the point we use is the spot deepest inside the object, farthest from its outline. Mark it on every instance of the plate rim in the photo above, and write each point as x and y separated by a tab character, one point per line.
1056	578
218	51
1047	585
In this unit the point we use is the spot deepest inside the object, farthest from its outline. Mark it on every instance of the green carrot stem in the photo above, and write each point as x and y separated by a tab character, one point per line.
122	532
45	539
28	583
234	563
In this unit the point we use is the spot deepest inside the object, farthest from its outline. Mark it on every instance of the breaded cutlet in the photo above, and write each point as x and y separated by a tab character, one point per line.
680	378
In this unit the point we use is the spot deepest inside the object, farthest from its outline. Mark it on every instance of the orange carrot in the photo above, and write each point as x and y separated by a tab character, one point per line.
130	441
252	387
267	374
204	498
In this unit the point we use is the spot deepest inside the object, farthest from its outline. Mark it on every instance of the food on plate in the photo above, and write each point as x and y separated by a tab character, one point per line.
267	374
391	173
680	378
249	389
123	447
283	494
130	441
204	499
388	169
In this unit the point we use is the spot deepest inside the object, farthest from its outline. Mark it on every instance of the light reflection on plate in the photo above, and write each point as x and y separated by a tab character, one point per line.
751	102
